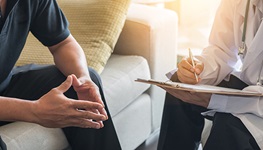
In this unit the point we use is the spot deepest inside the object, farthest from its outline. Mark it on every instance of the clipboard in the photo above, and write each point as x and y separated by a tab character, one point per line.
201	88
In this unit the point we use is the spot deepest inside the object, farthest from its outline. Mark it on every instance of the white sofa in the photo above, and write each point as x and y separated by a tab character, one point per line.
146	49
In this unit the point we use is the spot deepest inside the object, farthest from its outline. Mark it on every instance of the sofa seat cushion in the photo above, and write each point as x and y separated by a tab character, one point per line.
30	136
118	77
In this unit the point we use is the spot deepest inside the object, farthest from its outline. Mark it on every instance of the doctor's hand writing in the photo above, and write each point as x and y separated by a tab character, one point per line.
186	71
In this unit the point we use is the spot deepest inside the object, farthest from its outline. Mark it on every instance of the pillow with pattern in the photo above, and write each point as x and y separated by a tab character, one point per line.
95	24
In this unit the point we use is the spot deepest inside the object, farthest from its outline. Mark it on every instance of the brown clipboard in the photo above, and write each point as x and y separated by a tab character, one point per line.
199	88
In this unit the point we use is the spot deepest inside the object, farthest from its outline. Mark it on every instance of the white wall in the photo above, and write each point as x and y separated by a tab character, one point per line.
197	12
196	17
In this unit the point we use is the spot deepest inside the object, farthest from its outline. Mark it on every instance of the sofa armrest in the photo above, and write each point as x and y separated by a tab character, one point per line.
151	32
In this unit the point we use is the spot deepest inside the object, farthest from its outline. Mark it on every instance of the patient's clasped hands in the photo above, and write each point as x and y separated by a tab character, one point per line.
55	110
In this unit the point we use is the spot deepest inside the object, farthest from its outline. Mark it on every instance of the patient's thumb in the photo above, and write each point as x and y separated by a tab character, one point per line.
66	84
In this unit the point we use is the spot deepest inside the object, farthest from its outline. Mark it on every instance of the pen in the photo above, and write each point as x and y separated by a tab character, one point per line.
193	64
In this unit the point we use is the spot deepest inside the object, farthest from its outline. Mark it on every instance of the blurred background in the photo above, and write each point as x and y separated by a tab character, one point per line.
195	22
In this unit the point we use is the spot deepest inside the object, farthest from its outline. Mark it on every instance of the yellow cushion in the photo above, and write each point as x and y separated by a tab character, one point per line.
96	25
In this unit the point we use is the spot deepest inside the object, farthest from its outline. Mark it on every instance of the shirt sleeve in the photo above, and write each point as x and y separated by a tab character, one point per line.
220	56
237	104
171	73
49	24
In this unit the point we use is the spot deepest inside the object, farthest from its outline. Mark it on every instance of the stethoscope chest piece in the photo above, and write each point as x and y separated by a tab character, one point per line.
242	49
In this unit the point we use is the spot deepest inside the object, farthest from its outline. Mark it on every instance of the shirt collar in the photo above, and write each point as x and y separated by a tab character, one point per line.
258	4
241	5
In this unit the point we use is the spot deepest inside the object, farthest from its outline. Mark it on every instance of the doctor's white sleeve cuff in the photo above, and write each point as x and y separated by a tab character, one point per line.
218	102
170	74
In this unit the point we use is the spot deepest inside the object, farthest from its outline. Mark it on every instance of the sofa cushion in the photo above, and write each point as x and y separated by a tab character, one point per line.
133	124
96	25
30	136
118	77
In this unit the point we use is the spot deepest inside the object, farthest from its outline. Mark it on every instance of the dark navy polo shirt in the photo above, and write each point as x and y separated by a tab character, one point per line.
42	17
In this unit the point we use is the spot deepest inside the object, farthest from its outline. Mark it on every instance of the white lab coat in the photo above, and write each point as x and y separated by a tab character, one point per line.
221	56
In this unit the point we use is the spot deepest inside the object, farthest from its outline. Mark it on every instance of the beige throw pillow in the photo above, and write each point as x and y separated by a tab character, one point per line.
96	25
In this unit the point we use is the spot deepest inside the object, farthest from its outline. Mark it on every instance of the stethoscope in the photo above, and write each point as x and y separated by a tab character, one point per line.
242	49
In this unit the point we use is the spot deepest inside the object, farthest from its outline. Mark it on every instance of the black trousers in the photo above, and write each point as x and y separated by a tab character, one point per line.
38	80
182	126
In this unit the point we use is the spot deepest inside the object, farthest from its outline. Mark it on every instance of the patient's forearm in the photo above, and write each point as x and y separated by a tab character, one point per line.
70	58
13	109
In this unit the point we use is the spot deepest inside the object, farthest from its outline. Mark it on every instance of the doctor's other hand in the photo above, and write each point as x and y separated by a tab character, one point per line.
186	71
196	98
55	110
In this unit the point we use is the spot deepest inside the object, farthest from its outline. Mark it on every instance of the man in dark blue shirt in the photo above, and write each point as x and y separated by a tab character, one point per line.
47	95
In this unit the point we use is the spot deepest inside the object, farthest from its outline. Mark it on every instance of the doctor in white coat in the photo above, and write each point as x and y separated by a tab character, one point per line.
234	58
